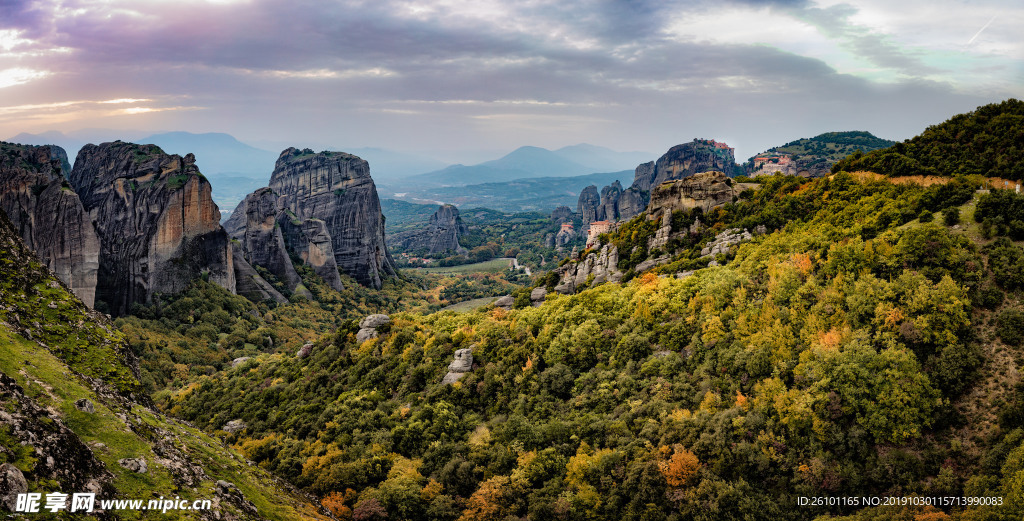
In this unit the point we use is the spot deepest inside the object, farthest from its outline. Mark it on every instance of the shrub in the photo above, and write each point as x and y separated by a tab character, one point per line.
951	216
1010	327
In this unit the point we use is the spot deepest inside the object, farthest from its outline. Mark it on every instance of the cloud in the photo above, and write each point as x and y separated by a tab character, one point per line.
630	70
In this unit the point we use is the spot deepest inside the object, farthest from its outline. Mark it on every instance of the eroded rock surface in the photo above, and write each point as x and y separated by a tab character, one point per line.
157	224
441	234
461	365
336	188
49	216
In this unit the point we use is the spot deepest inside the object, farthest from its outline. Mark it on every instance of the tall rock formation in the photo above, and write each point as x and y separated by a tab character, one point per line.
608	210
562	214
699	155
263	241
157	224
587	205
49	216
325	211
441	234
632	203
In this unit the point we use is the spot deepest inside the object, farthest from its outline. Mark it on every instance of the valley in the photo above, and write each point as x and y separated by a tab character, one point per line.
691	338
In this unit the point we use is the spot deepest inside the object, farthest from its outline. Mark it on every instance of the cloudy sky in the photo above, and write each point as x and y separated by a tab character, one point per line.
451	75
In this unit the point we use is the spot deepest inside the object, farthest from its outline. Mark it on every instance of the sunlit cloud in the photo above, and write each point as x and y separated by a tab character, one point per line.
19	75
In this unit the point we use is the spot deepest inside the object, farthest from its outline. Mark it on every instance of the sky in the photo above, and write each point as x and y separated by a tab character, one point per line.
450	76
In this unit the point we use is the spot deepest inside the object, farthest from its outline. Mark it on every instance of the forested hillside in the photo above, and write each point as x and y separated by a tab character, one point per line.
856	348
987	142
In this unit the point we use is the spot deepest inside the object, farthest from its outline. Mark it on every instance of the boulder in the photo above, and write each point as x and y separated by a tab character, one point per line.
506	302
240	360
234	426
134	465
374	321
304	351
85	405
537	296
12	483
462	364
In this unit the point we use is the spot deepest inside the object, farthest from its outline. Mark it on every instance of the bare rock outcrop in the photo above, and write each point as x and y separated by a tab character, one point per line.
608	209
368	326
441	234
336	188
596	268
537	296
461	365
157	224
704	190
49	216
587	204
632	203
699	155
562	214
249	283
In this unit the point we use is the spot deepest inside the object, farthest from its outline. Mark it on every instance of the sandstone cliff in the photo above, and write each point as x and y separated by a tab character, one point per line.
157	224
608	209
49	216
441	234
587	205
684	160
596	268
704	190
321	208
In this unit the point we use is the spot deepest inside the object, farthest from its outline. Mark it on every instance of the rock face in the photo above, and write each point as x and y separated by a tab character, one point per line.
681	161
608	209
61	455
595	268
263	240
49	216
587	205
704	190
441	234
562	214
537	296
699	155
462	364
336	188
249	283
632	203
157	224
724	241
564	236
369	325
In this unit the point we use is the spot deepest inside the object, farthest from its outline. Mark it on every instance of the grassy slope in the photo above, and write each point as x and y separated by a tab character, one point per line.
68	346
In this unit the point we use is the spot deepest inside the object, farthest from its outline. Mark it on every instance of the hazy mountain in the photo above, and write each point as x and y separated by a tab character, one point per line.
217	153
521	163
389	164
517	195
603	159
51	137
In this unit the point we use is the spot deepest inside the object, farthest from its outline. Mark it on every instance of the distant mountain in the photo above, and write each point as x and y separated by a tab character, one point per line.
52	137
518	195
388	164
521	163
217	154
602	159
